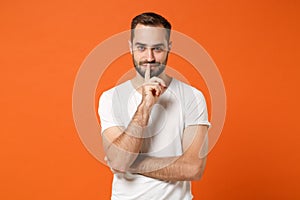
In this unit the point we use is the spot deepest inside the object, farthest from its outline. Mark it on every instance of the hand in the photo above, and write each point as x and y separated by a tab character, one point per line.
152	88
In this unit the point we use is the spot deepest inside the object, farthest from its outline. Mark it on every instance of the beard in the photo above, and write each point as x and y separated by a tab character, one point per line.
159	67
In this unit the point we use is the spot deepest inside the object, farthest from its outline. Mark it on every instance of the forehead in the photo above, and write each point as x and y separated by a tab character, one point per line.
150	35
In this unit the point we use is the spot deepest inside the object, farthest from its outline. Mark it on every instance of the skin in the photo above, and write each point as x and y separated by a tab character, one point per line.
149	50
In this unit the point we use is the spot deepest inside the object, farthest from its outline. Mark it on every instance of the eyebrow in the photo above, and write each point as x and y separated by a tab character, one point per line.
155	45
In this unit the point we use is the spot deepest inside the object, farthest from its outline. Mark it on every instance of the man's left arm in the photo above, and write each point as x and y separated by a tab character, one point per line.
189	166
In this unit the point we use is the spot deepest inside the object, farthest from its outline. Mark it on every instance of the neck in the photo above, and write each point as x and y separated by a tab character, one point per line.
138	80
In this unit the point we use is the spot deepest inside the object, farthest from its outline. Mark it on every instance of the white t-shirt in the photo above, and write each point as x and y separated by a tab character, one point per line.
178	107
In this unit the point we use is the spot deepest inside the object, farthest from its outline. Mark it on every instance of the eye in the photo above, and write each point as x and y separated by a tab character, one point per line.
158	49
140	48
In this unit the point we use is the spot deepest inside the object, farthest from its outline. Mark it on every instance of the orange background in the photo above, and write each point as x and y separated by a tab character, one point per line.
255	45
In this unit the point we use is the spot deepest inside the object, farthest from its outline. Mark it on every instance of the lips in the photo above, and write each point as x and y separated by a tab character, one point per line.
150	64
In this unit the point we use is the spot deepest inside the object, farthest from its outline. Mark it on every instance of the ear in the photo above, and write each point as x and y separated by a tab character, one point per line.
170	46
130	46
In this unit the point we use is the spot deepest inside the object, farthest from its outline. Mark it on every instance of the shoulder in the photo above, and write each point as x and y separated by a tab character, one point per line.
121	88
114	97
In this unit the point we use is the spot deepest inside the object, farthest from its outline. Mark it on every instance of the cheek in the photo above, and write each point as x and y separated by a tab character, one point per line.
136	56
161	57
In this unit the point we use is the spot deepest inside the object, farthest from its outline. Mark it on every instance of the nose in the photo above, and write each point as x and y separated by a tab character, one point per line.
150	55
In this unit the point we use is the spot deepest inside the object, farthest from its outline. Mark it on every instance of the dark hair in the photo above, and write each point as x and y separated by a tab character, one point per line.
150	19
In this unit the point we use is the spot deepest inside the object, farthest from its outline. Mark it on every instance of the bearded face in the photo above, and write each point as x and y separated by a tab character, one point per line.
149	47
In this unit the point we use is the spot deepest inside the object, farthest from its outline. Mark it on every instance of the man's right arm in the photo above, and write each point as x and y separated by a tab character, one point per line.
122	146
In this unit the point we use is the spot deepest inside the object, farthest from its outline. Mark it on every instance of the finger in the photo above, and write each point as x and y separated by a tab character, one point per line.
156	90
157	87
160	81
147	73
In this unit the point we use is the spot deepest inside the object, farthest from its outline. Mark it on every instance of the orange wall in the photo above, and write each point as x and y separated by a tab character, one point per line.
255	45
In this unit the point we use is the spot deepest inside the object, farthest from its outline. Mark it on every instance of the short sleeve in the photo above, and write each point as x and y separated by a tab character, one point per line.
109	108
195	109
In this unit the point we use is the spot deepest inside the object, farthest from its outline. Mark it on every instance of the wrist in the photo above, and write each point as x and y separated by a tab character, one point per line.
142	114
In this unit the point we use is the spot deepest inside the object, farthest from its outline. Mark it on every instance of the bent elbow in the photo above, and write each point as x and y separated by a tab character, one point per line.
120	162
196	171
197	176
119	165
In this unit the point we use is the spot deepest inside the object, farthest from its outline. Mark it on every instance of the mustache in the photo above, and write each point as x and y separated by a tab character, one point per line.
151	62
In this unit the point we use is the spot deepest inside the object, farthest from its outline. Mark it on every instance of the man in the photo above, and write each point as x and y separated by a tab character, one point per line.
154	127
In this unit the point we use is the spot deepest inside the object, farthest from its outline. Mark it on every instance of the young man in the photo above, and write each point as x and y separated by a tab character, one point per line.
154	127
